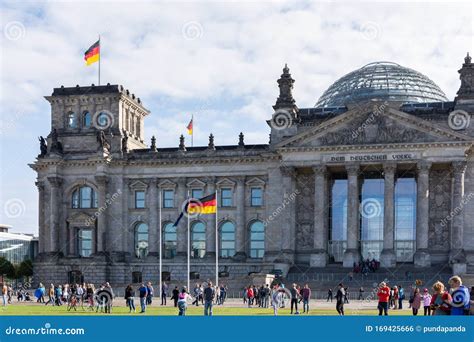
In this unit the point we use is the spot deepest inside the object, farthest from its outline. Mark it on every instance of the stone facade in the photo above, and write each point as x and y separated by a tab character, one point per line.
95	236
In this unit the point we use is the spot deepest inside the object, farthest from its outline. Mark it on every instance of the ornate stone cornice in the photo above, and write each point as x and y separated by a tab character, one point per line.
55	181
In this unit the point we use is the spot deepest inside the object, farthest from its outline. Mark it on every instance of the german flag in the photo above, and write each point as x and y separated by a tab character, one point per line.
92	54
205	205
189	127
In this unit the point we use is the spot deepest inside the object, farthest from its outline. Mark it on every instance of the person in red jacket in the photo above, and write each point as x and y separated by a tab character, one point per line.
250	295
384	295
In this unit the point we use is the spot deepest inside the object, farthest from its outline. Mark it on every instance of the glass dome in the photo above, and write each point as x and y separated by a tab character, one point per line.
381	80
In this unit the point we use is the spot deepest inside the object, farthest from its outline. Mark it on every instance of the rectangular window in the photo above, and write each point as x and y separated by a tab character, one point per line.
139	199
85	242
168	198
256	197
226	197
86	197
196	193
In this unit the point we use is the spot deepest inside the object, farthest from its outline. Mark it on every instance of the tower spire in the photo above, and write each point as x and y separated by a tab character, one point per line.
466	74
285	99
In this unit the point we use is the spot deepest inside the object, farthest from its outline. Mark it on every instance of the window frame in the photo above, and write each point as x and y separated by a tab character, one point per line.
165	200
259	188
223	199
165	250
80	240
137	233
202	254
86	114
71	117
77	198
136	200
221	240
251	249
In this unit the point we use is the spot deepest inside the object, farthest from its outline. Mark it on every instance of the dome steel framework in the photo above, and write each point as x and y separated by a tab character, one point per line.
382	80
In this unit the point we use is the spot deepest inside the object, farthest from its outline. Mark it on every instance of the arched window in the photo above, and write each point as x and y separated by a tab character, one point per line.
257	239
227	239
86	119
169	241
141	240
84	197
198	238
71	120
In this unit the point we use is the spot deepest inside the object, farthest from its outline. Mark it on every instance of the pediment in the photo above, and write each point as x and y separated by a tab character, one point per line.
195	183
373	127
255	181
138	185
225	182
167	184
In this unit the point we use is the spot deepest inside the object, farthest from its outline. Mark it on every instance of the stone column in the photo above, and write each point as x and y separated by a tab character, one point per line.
456	254
240	229
319	257
127	249
181	230
55	203
154	225
41	220
211	248
388	257
101	181
288	233
352	253
422	256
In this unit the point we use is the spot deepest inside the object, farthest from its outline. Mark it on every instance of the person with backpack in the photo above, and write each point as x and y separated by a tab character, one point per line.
441	300
384	297
209	294
164	293
460	303
340	294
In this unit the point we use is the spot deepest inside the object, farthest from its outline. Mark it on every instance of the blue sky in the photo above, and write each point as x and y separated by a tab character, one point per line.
217	60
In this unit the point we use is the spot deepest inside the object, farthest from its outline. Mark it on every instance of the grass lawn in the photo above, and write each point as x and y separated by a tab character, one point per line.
36	309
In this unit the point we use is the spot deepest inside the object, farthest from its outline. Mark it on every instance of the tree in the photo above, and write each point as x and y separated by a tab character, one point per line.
7	268
25	269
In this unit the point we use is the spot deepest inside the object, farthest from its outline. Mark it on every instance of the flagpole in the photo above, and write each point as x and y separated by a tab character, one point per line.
159	238
192	131
217	245
100	53
189	244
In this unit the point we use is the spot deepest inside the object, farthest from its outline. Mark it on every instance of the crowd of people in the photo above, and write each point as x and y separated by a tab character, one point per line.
458	300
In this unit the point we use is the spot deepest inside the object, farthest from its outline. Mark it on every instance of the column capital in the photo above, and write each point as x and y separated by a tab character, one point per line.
459	166
40	185
55	181
423	166
389	167
320	170
352	169
288	171
240	180
101	180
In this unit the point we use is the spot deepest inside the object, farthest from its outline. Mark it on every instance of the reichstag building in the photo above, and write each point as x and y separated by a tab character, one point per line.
380	168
